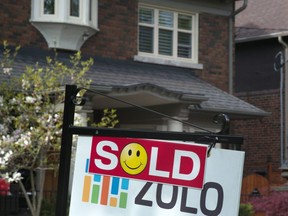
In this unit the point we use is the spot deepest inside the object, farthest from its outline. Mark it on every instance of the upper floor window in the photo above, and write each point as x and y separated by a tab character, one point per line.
168	34
78	12
74	8
49	6
65	24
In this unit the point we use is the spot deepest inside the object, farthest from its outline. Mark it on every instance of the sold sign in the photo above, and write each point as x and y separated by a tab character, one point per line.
149	160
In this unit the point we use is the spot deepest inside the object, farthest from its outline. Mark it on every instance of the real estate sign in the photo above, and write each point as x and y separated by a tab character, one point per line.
131	176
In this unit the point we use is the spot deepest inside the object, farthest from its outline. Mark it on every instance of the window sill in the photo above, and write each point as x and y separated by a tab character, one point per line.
170	62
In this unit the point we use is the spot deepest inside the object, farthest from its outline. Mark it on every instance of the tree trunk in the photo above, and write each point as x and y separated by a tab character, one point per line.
34	204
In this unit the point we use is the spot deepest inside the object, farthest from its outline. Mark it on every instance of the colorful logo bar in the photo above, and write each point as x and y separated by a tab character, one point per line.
105	190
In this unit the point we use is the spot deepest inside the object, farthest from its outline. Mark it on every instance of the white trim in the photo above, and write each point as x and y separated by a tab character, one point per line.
198	6
42	14
191	62
62	13
76	19
37	12
94	15
170	62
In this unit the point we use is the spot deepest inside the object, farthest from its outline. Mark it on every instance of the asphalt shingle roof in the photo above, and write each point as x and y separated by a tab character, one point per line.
128	74
262	18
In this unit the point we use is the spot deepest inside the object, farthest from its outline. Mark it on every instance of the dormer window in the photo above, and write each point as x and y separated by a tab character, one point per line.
74	8
49	7
65	24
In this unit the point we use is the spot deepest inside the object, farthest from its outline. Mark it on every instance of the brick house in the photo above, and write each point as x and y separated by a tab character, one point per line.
172	56
261	42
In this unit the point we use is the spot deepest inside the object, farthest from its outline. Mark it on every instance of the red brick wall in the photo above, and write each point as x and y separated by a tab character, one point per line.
15	26
117	37
261	136
213	49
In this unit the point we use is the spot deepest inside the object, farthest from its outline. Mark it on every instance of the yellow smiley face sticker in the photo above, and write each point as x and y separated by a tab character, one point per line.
133	158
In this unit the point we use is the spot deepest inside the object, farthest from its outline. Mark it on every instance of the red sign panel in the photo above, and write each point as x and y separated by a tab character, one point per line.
149	160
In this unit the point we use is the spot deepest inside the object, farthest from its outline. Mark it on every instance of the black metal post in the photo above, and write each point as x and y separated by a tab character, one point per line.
65	153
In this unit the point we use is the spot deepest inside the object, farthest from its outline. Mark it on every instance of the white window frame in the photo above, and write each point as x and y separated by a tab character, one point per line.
41	16
174	60
94	15
75	19
65	17
55	9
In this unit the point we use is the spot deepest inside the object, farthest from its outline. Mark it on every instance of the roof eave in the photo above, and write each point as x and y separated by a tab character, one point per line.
261	37
235	114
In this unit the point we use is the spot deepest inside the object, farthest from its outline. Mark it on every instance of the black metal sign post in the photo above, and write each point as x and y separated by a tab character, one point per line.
69	129
65	153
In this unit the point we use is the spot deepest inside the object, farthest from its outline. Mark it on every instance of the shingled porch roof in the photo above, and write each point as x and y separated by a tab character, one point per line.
160	84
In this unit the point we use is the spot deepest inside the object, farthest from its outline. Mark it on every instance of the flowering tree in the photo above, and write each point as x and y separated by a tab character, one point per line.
31	117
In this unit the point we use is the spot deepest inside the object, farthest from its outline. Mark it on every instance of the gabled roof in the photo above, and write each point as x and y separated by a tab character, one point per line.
262	19
162	83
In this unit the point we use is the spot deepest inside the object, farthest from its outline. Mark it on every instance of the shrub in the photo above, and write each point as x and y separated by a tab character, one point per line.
274	204
246	209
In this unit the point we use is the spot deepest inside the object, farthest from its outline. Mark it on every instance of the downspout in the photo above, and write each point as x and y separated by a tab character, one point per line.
230	46
284	152
278	67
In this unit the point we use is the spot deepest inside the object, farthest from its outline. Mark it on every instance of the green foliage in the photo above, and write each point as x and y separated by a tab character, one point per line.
48	207
8	56
246	209
30	107
109	119
31	113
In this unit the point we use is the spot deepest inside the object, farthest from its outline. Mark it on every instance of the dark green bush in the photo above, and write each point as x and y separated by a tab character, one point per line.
246	209
48	207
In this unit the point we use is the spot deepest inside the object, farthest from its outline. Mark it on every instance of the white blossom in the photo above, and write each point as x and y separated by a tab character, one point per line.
16	177
25	84
7	71
5	156
24	140
56	117
13	101
49	118
30	100
2	127
1	101
37	109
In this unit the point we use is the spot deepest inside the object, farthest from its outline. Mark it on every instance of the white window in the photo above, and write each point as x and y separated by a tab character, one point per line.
166	34
65	24
74	8
49	7
82	12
